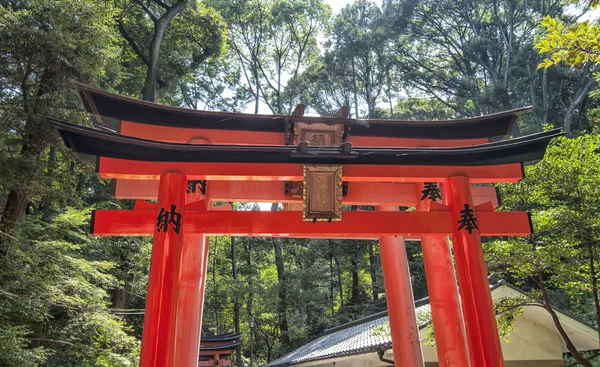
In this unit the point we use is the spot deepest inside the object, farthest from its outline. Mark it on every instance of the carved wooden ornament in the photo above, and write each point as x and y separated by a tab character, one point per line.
318	134
322	193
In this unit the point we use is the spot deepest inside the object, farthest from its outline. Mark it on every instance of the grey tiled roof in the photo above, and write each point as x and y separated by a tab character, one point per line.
364	335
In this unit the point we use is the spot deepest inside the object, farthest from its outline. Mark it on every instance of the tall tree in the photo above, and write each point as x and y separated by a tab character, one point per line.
273	41
477	58
43	44
170	39
359	36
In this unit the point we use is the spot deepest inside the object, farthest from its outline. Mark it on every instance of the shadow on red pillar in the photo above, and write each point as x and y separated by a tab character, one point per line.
191	300
399	298
446	314
158	336
478	308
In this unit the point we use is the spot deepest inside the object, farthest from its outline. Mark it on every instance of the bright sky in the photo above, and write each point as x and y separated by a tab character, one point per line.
337	5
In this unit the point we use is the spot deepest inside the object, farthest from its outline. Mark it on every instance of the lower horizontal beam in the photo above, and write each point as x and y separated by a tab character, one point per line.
140	170
363	224
359	193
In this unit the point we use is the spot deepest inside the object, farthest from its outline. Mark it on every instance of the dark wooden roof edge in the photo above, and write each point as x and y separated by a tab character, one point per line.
155	114
99	143
218	338
219	347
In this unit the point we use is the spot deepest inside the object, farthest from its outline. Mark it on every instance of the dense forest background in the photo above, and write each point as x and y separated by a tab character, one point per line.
69	299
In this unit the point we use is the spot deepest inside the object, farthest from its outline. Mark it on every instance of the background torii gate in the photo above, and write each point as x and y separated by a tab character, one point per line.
169	154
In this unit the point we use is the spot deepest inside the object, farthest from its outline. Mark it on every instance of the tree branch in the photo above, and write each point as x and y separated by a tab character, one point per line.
50	341
131	42
162	5
147	10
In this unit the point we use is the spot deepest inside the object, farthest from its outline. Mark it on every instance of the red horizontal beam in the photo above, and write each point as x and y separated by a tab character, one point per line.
359	193
363	224
204	136
208	136
139	170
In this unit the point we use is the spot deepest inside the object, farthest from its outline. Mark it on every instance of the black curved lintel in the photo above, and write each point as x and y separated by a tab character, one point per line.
88	141
220	338
219	347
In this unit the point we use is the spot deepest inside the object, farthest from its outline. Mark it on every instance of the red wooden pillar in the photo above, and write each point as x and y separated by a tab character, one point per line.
158	336
448	324
399	298
191	300
478	308
191	285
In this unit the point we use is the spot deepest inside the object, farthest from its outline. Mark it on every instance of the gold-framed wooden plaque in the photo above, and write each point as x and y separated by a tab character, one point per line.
318	134
322	192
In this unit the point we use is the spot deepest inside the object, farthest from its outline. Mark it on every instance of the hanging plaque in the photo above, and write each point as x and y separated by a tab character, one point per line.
316	134
322	193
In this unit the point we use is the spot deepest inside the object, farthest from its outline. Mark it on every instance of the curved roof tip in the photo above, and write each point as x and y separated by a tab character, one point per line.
110	109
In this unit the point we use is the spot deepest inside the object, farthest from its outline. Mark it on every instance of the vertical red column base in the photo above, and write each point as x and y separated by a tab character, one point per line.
446	314
191	300
478	308
399	298
158	335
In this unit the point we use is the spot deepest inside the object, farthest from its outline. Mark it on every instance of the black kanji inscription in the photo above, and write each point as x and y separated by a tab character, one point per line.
467	220
194	184
165	218
432	191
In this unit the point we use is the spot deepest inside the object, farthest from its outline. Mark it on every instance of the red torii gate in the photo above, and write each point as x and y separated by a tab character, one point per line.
186	159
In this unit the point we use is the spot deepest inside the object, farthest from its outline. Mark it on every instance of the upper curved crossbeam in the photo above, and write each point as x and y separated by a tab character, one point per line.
111	109
105	144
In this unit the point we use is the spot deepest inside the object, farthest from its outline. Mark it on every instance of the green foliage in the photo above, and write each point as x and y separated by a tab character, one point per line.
574	45
54	300
562	193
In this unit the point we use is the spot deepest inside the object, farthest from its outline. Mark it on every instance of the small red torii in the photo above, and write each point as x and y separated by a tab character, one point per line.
187	159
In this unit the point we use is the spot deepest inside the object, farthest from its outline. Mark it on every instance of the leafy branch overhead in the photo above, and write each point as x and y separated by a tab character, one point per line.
574	45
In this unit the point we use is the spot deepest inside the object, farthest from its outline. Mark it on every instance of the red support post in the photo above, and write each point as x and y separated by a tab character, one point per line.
404	330
478	308
158	336
448	324
191	300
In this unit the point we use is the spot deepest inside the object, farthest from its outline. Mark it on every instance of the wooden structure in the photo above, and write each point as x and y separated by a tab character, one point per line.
216	350
535	342
187	159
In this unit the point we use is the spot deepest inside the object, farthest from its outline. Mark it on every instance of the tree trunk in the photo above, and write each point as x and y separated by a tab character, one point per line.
34	143
119	298
389	90
355	291
282	290
250	299
257	81
372	271
331	279
339	274
354	91
369	89
579	96
236	301
151	82
569	344
594	276
214	279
